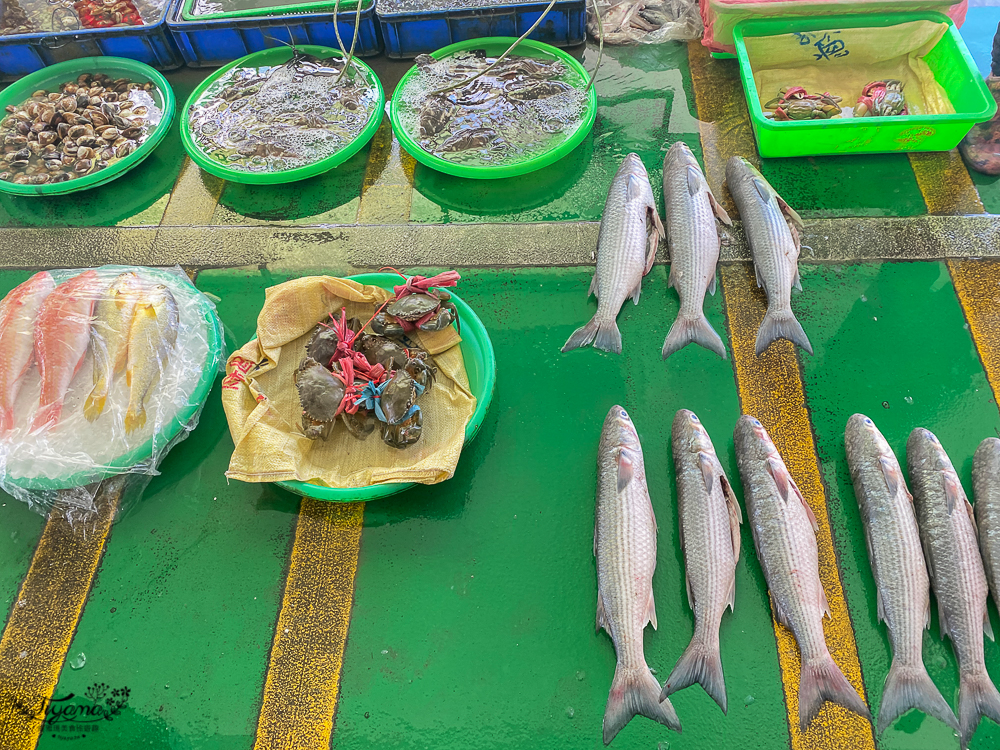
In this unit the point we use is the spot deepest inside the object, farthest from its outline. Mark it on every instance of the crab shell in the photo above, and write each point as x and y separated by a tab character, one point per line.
421	368
323	345
361	424
405	433
320	393
383	325
398	396
383	351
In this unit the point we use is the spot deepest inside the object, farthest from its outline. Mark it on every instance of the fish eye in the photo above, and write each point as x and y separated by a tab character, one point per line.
868	421
624	413
755	422
694	418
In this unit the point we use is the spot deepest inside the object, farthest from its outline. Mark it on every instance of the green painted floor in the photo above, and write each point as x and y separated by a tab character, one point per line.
473	622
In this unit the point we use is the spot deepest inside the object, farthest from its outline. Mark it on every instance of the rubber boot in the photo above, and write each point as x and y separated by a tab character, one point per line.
981	147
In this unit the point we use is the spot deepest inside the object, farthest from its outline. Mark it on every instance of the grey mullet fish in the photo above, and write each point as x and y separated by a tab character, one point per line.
948	533
772	229
693	238
626	246
903	586
986	487
625	547
784	533
710	521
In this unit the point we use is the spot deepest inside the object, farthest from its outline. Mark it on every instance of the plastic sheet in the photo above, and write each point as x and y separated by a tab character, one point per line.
645	22
102	372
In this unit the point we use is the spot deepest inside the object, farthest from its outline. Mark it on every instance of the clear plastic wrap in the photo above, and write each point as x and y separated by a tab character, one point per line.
102	372
645	22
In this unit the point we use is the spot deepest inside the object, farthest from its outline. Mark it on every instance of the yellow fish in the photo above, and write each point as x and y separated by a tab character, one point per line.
109	338
151	339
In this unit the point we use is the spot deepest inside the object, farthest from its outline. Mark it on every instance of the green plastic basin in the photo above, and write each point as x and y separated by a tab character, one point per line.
495	46
949	60
117	67
481	366
278	56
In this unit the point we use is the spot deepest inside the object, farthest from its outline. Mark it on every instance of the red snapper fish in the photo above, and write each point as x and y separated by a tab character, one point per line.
62	335
18	312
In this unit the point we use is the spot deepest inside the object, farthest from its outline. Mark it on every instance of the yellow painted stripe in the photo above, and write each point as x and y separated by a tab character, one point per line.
945	183
724	122
387	189
45	615
307	653
977	283
770	388
194	197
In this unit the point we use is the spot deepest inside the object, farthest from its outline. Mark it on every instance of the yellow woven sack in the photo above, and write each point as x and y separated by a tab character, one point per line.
264	414
843	61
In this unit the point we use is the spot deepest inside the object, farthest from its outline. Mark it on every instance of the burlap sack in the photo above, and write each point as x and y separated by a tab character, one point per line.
872	54
262	404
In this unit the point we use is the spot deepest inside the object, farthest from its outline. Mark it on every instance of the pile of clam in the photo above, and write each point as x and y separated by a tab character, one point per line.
84	127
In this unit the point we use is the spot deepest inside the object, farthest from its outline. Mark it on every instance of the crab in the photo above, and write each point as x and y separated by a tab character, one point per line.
531	90
435	114
320	395
323	345
399	397
795	103
882	99
383	325
428	311
404	434
382	350
422	369
360	424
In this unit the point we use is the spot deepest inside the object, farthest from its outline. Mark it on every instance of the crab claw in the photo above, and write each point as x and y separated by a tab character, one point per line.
405	433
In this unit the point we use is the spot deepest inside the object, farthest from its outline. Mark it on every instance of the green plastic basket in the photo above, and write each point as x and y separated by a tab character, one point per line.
272	10
481	366
279	56
142	453
117	67
495	46
949	60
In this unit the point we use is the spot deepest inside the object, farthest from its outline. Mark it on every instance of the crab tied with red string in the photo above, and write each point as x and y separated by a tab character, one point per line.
795	103
882	99
419	304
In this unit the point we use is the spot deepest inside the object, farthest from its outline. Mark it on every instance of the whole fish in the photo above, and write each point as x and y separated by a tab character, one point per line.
18	312
904	594
62	335
948	533
150	342
784	533
710	521
112	321
625	547
693	238
986	488
772	229
626	245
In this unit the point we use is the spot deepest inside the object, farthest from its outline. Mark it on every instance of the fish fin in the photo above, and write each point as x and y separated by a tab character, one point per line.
636	292
687	585
823	681
762	190
796	281
824	603
731	596
951	492
651	253
943	621
636	691
602	618
756	271
780	476
927	614
593	287
791	215
134	420
977	697
987	626
702	664
93	407
604	334
720	212
695	180
128	377
781	324
879	607
655	215
633	188
712	284
686	330
707	470
671	280
625	469
911	687
972	518
735	515
651	610
779	614
891	475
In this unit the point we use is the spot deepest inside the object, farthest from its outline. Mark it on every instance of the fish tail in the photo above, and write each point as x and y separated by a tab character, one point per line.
781	324
700	663
636	691
823	681
93	407
977	697
603	333
909	687
134	419
687	329
47	414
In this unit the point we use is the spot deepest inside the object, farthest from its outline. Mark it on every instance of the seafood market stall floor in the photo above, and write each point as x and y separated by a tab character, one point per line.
229	615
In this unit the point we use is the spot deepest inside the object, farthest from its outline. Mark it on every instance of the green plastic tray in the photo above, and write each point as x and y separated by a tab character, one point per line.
116	67
949	60
496	45
272	10
481	366
278	56
213	333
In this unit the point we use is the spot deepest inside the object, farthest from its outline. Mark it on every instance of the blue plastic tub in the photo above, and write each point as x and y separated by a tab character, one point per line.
407	35
214	42
151	44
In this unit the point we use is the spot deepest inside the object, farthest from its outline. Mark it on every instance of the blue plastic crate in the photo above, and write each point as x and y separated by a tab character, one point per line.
151	44
407	35
214	42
